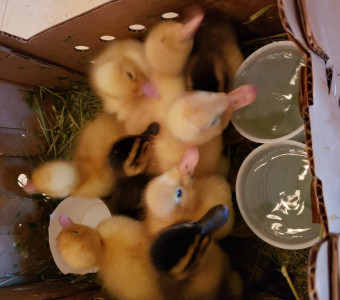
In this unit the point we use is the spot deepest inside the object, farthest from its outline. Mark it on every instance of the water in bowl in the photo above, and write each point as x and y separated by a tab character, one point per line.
277	194
275	112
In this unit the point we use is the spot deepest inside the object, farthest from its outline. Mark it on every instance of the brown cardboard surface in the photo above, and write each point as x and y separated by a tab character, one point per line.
56	44
11	260
3	53
61	289
18	123
10	169
25	70
16	212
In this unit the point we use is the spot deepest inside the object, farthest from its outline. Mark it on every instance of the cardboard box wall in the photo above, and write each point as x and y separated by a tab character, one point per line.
49	59
313	26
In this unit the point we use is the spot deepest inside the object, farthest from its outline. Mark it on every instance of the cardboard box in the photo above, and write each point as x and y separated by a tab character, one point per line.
50	59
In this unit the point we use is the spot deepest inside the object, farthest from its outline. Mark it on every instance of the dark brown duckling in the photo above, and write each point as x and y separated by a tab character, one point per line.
129	158
191	264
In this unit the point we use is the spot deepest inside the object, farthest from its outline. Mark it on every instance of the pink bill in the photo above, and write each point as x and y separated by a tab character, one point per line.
242	96
65	221
149	90
193	22
189	161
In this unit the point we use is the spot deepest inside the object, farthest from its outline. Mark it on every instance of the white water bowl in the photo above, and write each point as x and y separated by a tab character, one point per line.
274	116
89	212
273	195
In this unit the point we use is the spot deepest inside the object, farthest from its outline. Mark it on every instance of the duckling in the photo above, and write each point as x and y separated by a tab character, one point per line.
177	196
167	48
191	264
214	61
129	158
119	247
120	76
197	119
216	56
88	174
169	43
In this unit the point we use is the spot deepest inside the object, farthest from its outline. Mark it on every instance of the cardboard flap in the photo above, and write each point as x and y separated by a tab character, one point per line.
57	44
323	277
319	22
290	19
25	70
321	19
325	124
324	105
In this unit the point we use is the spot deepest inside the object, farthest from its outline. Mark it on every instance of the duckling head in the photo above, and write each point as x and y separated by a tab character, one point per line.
169	43
199	116
173	192
130	155
120	72
178	249
80	246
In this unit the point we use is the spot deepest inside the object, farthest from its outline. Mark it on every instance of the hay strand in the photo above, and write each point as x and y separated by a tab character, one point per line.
259	13
286	275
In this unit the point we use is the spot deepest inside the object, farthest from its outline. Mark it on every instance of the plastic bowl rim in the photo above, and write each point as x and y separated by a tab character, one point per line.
248	61
240	178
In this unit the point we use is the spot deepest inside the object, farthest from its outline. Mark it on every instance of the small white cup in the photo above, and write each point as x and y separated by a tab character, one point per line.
273	195
89	212
274	116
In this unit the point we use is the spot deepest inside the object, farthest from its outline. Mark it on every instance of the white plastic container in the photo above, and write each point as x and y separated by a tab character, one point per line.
273	195
274	116
83	211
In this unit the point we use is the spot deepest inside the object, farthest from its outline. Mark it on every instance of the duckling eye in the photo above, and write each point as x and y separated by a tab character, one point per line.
214	121
130	75
178	195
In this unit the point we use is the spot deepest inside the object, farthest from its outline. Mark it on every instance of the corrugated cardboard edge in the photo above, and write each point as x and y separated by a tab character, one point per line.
304	38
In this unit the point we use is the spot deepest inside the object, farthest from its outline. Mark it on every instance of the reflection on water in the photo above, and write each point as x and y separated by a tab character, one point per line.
277	193
275	112
289	204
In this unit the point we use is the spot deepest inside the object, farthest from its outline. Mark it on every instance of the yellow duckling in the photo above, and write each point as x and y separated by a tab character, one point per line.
105	158
119	247
88	174
197	119
167	48
120	76
177	196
